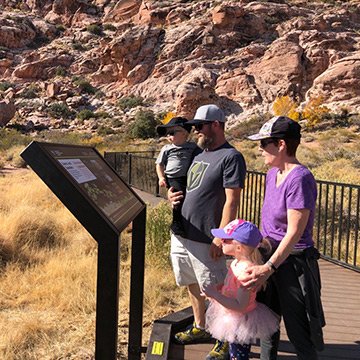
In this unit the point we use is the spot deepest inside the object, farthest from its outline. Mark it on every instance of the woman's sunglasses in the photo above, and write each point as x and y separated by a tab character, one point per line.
199	127
265	142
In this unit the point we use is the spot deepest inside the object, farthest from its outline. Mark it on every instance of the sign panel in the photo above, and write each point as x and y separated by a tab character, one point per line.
95	179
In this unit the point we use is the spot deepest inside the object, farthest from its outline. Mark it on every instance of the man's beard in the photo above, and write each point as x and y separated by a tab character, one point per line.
204	142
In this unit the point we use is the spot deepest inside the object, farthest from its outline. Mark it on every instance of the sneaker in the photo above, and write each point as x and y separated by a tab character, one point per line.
192	335
220	351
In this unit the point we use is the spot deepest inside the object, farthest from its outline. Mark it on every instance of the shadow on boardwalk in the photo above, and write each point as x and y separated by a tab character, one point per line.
340	296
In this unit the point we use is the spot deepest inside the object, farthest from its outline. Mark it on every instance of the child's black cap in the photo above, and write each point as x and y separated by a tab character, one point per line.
175	121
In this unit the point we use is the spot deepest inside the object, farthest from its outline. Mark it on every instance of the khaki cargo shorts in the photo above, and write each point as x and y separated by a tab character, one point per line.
192	263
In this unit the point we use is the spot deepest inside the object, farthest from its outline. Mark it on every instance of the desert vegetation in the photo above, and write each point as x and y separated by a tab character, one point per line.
48	275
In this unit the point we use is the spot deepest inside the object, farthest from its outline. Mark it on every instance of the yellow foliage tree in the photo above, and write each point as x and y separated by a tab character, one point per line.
167	117
285	106
314	111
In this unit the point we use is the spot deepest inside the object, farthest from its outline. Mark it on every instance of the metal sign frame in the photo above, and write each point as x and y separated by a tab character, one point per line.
66	180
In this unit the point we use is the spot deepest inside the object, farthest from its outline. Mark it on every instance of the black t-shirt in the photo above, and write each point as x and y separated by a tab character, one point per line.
208	176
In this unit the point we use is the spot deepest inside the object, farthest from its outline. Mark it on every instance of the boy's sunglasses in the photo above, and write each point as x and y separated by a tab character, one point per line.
173	132
199	127
265	142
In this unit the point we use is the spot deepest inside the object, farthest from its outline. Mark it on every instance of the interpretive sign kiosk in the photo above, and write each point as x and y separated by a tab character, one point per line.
104	204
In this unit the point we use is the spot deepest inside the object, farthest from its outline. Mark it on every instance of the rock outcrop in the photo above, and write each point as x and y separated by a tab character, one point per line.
7	111
181	54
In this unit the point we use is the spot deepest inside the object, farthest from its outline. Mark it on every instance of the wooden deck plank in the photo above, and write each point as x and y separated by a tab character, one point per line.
340	297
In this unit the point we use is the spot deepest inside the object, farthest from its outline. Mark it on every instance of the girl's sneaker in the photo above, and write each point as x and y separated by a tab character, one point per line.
220	351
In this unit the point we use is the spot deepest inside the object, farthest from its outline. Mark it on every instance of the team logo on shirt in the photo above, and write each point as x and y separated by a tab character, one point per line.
195	175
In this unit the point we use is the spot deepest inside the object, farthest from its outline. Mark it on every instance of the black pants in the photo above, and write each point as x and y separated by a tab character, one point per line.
179	184
284	295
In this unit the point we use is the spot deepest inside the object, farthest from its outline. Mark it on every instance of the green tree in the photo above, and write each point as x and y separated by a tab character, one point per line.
144	125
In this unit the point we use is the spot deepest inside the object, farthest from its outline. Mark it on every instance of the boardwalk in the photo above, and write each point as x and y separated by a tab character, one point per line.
341	301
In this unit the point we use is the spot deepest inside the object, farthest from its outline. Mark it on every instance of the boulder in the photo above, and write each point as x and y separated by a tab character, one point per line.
53	89
16	32
7	111
142	41
339	84
197	88
42	68
226	17
123	10
280	71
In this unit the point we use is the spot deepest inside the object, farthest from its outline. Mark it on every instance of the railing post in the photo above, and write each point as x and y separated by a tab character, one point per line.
129	169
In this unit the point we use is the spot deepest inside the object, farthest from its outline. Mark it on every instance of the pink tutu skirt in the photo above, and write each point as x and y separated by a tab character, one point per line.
241	328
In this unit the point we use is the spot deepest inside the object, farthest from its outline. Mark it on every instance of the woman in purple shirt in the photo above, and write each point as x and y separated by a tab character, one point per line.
287	219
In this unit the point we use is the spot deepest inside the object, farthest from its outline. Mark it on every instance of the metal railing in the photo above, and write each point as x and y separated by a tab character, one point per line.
336	227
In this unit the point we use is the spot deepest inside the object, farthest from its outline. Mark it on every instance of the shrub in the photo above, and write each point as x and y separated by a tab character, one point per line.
165	116
109	27
314	112
5	85
130	102
99	94
144	125
248	127
84	86
285	106
13	157
60	28
157	233
105	130
94	29
11	137
60	71
85	114
60	110
56	136
76	45
102	114
30	92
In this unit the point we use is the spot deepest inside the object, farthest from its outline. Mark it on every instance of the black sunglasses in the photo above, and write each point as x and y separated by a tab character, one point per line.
199	127
265	142
173	132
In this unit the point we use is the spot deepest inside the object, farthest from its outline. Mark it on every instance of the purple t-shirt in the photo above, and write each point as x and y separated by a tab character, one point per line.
297	191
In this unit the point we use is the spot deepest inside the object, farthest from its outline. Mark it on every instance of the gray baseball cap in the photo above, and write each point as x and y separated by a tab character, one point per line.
207	113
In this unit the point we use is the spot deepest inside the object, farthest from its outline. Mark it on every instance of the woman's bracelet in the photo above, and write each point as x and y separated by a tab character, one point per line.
271	265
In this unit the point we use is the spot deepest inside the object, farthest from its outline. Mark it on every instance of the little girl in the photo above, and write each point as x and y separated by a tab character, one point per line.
233	314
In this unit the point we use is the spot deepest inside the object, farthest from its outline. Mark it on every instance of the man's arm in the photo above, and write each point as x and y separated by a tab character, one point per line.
229	213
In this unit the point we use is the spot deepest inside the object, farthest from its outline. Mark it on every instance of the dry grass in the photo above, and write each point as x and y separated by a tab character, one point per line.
48	278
